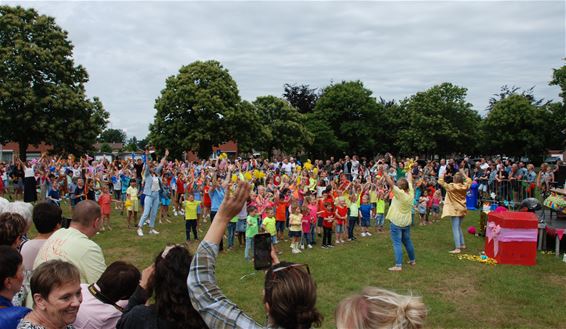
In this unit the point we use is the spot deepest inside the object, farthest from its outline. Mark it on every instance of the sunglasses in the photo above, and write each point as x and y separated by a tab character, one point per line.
302	267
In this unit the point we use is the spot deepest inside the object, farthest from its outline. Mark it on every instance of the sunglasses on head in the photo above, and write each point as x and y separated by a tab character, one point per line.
303	267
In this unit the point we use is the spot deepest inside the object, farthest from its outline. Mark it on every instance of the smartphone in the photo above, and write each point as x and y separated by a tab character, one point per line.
262	251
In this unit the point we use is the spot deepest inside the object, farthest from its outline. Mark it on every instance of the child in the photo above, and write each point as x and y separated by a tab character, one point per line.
295	229
231	231
353	217
340	215
191	217
313	208
380	211
436	205
251	231
268	225
165	202
132	196
241	225
365	214
105	201
53	195
281	204
306	226
423	201
327	216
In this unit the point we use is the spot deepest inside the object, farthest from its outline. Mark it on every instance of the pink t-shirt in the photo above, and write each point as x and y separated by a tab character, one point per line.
29	252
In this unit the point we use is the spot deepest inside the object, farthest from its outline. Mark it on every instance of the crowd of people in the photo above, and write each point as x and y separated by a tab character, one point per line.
60	279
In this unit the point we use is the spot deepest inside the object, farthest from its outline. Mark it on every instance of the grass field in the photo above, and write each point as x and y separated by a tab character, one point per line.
458	293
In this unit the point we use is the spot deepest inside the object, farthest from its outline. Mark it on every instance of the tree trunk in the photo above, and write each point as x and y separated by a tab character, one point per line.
23	148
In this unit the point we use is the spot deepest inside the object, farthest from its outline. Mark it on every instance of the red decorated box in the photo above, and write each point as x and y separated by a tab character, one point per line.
511	237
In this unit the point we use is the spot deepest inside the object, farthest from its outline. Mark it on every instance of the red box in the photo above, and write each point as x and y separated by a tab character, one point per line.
515	234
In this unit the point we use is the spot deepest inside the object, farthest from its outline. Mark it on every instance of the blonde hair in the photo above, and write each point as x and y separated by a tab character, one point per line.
380	308
458	178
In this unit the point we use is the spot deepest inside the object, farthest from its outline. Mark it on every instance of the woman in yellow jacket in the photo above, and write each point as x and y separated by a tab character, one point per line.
455	206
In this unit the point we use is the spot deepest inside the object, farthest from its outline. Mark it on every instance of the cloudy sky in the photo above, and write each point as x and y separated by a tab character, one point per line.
396	48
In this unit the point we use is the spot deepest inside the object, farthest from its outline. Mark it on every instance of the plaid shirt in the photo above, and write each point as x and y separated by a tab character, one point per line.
207	298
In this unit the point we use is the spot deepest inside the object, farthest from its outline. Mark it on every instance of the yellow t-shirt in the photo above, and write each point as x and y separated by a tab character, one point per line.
401	208
295	222
191	209
133	193
269	224
372	196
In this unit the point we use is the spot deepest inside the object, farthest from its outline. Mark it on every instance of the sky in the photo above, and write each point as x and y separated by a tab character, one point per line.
396	48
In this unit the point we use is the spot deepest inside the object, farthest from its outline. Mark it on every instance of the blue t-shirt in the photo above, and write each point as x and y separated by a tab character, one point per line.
365	209
125	183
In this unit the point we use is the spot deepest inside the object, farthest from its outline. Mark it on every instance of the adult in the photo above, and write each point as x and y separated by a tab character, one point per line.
23	209
11	279
30	183
289	289
47	219
216	197
101	307
400	216
74	244
56	291
12	228
152	188
455	206
376	308
166	278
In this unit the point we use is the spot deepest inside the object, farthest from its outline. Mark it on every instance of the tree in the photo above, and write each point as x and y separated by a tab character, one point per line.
285	129
515	126
193	107
247	129
301	97
105	148
42	94
112	136
438	120
557	112
559	79
349	111
132	145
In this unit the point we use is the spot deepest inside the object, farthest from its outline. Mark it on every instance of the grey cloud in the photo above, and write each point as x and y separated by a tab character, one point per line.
395	48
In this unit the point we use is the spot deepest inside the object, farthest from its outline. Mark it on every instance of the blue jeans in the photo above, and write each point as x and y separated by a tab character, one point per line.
249	247
402	235
457	231
351	224
231	232
151	206
379	220
312	233
191	225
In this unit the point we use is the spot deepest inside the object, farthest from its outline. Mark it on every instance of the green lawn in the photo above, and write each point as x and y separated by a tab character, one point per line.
458	293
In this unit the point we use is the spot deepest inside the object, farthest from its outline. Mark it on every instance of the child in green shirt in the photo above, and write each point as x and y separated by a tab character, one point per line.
251	230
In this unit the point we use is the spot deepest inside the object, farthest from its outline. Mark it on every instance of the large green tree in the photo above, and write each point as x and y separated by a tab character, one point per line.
438	120
42	94
247	129
113	136
301	97
344	120
557	112
285	129
193	108
515	126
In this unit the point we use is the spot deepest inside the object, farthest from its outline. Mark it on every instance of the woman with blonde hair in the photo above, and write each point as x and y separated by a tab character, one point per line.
377	308
455	206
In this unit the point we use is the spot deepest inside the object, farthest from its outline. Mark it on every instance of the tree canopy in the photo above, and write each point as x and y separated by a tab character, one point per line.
113	136
42	94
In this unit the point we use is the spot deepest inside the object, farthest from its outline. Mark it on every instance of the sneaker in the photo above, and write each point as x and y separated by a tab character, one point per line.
455	251
349	239
303	247
368	234
309	246
395	269
174	212
342	241
153	231
324	246
330	246
295	251
140	232
363	234
337	241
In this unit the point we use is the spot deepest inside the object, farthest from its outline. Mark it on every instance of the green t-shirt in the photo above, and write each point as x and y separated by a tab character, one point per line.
234	219
380	208
269	224
251	229
353	209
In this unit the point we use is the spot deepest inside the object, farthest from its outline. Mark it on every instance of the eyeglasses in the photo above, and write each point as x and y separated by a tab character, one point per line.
302	267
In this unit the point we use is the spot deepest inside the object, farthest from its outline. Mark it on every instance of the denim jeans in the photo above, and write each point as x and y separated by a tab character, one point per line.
191	225
151	205
351	225
231	232
249	247
402	235
457	232
327	236
379	220
312	233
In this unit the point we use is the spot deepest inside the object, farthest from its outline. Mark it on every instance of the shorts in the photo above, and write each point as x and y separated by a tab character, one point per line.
339	228
435	209
134	207
365	222
422	210
294	234
379	219
280	226
274	239
118	194
241	226
319	221
165	202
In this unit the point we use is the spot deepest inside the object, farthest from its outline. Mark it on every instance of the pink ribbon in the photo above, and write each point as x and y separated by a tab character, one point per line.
498	234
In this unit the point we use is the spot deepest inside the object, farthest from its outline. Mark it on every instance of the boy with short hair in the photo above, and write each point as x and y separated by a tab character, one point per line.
191	216
268	225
